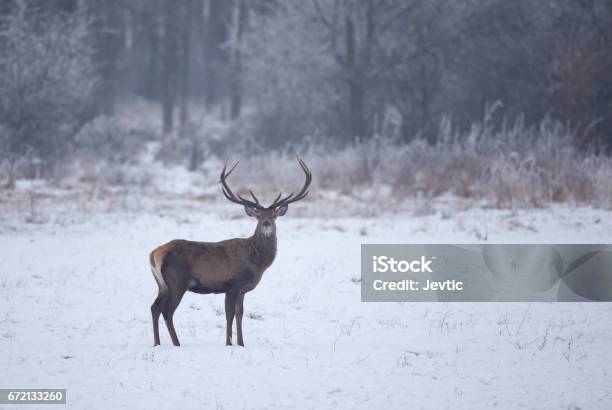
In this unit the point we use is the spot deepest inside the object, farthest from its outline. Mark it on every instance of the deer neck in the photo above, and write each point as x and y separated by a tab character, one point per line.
263	248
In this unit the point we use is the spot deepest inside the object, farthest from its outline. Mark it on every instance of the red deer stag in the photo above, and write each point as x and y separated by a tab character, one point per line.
233	267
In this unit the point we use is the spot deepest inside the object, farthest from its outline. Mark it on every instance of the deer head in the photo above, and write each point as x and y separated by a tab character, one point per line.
266	216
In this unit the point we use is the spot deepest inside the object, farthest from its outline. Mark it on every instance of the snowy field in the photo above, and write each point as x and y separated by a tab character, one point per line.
75	298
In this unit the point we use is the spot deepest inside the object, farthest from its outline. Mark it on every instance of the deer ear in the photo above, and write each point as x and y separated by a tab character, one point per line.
281	211
251	211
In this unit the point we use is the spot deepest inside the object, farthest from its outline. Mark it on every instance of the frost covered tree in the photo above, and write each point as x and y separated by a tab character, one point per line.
336	67
289	74
283	70
47	78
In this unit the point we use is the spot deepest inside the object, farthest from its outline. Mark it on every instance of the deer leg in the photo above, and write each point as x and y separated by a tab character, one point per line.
156	309
230	310
239	312
168	316
172	302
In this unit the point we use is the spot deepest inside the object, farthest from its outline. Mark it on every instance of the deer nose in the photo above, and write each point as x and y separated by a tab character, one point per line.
266	224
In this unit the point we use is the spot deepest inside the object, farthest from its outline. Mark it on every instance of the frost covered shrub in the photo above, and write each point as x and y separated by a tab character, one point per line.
108	139
109	152
509	167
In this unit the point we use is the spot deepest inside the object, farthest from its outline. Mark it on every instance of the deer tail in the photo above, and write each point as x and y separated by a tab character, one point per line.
156	259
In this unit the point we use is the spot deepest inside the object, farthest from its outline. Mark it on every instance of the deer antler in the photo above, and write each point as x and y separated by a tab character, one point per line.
233	197
278	202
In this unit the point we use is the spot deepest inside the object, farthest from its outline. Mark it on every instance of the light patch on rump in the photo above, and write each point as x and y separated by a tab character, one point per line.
155	268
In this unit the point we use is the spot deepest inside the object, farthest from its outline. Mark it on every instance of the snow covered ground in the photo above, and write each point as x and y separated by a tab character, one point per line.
74	313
